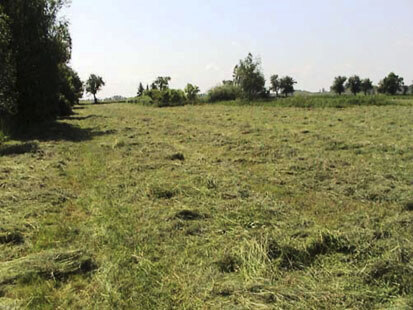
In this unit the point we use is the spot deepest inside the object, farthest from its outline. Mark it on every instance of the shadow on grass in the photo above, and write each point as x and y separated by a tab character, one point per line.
18	149
77	118
56	131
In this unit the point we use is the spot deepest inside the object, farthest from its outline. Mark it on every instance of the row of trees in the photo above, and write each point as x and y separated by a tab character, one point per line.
391	84
160	94
248	82
36	81
249	78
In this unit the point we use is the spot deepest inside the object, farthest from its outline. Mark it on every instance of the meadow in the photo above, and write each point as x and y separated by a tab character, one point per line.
223	206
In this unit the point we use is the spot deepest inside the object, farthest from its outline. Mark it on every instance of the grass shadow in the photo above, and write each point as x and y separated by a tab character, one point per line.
77	118
56	131
18	149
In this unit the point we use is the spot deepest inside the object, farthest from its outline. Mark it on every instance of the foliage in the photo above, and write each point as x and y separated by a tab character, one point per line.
287	85
392	84
40	47
93	85
191	92
338	85
224	92
275	84
166	97
71	89
161	83
141	89
354	84
366	86
249	77
8	98
405	90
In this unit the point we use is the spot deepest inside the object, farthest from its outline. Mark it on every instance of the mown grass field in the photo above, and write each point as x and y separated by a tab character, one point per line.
210	207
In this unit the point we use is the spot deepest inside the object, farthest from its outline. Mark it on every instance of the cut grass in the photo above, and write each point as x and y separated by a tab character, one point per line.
210	207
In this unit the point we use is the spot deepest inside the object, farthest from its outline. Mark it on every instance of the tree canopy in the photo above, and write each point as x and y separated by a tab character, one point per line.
366	86
391	84
275	84
338	85
162	82
248	75
191	92
287	85
141	89
93	85
354	84
35	47
8	104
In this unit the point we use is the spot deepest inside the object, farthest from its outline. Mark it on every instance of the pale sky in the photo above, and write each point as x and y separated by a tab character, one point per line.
200	41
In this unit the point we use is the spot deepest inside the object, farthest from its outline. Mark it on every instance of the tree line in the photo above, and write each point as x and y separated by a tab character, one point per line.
36	81
391	85
35	48
249	83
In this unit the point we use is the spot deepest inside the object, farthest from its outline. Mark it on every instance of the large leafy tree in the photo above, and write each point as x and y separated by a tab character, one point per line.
366	86
275	84
248	76
40	45
354	84
338	85
71	89
93	85
287	85
391	84
35	48
191	92
8	104
162	82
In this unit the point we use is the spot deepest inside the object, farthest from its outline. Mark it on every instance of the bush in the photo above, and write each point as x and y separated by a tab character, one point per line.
224	92
165	98
143	100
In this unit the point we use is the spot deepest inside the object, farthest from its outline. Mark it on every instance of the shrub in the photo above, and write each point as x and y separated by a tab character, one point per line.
224	92
166	97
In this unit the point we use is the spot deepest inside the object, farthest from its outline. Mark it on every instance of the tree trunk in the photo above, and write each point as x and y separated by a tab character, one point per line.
95	99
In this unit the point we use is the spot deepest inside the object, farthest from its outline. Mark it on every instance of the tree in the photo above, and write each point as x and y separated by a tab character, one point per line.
338	85
275	84
71	90
391	84
8	104
93	85
191	92
366	86
248	75
140	90
354	84
287	85
39	49
162	82
411	89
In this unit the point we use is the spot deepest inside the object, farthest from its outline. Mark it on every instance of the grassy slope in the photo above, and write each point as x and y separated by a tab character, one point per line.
272	208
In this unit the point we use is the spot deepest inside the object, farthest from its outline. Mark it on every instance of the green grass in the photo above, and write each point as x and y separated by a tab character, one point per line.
210	207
